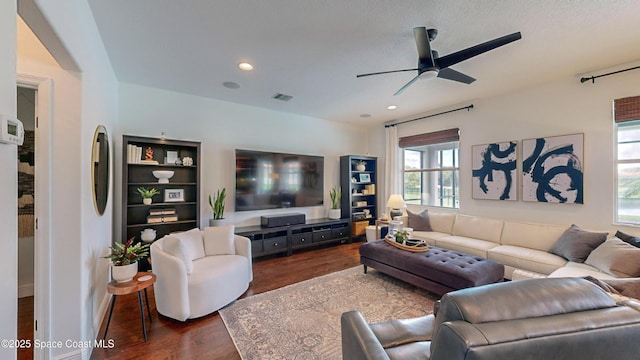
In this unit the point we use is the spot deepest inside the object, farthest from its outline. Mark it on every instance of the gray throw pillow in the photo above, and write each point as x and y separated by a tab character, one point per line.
576	244
617	258
419	222
629	239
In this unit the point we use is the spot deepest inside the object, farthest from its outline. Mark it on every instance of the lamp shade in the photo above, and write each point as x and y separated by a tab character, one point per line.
396	202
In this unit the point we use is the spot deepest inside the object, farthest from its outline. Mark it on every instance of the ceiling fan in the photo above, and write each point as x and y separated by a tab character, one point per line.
430	65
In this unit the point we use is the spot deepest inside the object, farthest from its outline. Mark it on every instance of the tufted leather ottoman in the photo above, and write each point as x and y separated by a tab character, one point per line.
436	270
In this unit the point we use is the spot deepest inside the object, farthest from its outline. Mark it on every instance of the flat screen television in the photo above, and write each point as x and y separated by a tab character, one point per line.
270	180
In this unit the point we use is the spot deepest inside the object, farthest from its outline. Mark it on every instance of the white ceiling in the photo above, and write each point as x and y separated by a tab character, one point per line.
313	49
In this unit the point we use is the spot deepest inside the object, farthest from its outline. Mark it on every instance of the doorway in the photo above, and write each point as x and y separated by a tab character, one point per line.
26	110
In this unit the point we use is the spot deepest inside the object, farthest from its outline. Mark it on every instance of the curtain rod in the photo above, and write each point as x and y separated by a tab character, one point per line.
593	78
468	108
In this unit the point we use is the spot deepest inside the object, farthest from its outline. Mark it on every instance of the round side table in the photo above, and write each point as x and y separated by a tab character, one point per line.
140	282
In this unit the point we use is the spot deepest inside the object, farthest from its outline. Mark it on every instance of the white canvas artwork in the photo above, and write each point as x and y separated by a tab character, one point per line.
552	169
494	171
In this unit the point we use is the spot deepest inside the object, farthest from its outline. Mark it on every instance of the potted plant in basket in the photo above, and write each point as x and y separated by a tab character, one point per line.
147	194
217	205
124	259
335	194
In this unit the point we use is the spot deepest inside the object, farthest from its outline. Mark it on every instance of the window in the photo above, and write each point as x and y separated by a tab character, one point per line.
430	169
627	118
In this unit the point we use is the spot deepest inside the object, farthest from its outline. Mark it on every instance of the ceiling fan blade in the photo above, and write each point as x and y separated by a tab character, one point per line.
424	48
450	74
386	72
462	55
406	86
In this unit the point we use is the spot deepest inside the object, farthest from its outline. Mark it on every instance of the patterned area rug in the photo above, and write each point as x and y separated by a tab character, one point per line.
302	321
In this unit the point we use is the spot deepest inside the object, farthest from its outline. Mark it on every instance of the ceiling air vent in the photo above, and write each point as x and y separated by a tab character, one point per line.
282	97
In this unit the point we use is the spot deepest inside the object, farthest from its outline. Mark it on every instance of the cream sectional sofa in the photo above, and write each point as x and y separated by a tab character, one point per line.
523	248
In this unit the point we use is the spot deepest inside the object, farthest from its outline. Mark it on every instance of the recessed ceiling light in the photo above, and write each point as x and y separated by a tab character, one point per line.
245	66
392	107
365	115
230	85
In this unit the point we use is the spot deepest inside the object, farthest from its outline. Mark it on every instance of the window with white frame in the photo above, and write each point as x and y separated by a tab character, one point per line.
627	119
430	169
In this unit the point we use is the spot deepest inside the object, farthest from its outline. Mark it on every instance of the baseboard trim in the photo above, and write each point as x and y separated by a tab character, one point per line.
74	355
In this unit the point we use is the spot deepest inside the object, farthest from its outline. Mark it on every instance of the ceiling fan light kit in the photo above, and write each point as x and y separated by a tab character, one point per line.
430	65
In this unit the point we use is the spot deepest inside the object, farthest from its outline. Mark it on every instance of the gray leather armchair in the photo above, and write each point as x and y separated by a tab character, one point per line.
559	318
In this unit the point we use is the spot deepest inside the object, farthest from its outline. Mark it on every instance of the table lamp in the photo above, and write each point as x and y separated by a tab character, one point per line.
396	203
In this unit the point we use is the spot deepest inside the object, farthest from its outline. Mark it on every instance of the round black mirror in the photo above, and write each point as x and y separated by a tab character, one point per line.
100	169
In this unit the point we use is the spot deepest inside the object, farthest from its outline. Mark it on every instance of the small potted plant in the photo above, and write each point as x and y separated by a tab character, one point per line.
217	206
401	236
147	194
335	194
124	259
361	165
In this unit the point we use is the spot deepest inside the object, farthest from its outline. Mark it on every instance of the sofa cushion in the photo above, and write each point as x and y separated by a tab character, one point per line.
633	240
527	259
192	241
576	244
617	258
441	221
419	222
466	245
530	235
218	240
429	236
574	269
478	228
174	246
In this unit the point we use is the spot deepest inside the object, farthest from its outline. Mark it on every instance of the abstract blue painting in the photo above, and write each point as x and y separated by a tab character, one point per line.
494	171
552	169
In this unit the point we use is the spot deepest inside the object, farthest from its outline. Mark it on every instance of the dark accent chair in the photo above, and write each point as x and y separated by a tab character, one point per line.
552	318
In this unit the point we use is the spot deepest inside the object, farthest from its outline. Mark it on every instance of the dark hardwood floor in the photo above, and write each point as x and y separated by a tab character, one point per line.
25	326
207	337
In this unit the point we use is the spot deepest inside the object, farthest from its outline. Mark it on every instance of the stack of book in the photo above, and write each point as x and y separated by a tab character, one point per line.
162	215
134	156
371	189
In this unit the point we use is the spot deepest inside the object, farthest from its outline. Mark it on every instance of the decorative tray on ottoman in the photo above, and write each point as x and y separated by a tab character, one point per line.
415	245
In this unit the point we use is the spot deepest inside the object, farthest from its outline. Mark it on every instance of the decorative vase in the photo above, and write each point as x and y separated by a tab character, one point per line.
218	222
124	273
360	167
148	235
335	213
147	201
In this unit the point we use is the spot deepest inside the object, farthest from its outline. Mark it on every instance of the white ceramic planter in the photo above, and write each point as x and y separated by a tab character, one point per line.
335	213
360	167
124	273
218	222
147	201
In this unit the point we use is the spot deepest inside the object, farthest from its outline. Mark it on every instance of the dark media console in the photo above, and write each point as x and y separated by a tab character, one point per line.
286	238
282	220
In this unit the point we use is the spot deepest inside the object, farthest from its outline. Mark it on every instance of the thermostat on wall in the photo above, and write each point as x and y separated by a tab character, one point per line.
12	131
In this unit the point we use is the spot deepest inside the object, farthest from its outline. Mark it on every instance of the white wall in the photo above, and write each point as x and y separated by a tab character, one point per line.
559	108
79	237
223	127
9	182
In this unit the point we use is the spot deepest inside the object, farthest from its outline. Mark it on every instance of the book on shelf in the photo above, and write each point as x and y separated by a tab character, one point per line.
134	154
149	162
360	215
156	219
163	211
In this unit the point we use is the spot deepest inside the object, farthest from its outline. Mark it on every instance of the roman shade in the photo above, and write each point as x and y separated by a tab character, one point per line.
627	109
431	138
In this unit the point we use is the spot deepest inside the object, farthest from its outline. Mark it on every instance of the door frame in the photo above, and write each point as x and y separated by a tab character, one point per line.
42	208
